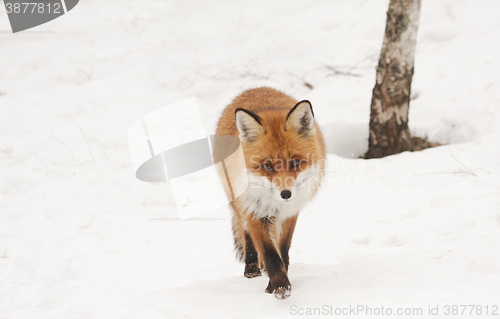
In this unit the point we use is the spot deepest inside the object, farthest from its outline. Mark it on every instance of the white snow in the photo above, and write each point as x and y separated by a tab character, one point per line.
80	237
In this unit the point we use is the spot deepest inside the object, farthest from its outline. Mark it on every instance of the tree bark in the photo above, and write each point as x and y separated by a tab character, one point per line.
389	133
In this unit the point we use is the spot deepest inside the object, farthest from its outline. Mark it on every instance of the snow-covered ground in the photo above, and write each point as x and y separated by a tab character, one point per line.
80	237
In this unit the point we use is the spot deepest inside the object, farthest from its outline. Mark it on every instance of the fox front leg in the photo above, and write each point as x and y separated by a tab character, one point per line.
285	241
252	266
279	285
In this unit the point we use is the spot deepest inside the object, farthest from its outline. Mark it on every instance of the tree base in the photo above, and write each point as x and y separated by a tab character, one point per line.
422	143
418	144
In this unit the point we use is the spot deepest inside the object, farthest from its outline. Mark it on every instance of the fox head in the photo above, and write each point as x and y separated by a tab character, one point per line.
281	151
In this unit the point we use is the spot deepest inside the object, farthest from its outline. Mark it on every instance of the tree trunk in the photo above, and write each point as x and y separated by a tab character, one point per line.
389	133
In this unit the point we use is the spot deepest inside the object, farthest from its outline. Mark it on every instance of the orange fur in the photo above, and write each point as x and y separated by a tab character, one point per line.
281	146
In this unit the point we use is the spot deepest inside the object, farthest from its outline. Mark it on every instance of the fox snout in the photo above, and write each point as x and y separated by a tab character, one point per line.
286	194
284	187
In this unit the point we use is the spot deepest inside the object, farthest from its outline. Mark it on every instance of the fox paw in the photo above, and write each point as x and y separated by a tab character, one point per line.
252	270
280	291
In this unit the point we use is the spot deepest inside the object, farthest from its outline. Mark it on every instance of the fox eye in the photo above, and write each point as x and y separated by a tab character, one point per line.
268	166
294	164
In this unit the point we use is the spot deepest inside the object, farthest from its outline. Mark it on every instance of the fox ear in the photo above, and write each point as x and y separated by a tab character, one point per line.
301	119
249	125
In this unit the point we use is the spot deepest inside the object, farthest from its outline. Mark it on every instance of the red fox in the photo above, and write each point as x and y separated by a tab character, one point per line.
284	164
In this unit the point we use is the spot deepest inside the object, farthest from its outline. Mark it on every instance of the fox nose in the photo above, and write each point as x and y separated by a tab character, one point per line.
286	194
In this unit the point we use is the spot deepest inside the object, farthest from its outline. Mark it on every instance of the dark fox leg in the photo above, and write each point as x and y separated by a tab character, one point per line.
286	239
260	232
252	268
